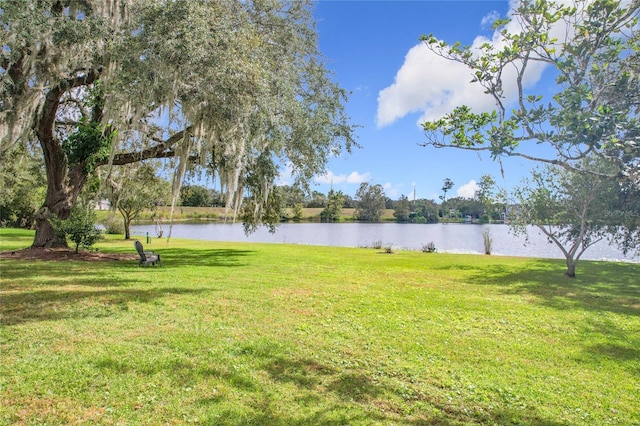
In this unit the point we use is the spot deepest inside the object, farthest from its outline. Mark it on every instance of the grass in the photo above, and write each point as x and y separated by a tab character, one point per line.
276	334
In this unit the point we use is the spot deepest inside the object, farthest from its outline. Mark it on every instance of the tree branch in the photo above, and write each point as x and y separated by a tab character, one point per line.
162	150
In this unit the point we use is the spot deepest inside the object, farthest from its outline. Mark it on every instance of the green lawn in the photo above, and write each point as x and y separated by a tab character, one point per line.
275	334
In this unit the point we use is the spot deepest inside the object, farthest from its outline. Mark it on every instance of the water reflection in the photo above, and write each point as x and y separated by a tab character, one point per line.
451	238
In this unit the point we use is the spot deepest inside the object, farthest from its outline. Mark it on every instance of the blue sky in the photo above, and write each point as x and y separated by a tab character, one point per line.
374	51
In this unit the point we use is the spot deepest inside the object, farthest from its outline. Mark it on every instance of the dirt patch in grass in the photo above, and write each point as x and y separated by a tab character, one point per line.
63	255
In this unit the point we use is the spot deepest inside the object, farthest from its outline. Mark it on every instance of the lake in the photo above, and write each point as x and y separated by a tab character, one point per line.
448	237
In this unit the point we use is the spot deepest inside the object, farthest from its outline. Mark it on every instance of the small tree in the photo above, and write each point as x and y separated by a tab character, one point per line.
298	212
371	202
134	189
80	227
402	211
447	184
571	209
485	195
333	211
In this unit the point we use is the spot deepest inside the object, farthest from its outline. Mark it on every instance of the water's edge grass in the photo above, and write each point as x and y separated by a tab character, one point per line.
277	334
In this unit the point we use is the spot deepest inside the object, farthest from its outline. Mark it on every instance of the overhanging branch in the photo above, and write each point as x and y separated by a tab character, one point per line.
162	150
555	162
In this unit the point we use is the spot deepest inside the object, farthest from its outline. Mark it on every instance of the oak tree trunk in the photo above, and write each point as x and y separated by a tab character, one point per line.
63	183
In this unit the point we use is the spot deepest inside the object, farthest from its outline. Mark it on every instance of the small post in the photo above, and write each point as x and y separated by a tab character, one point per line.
148	239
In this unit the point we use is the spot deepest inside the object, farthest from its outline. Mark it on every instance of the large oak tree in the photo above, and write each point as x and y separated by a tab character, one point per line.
236	87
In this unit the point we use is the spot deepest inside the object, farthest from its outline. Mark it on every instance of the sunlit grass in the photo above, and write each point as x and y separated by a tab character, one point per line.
234	334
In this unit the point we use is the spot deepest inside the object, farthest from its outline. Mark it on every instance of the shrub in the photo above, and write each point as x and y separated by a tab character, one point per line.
488	241
79	227
113	225
429	247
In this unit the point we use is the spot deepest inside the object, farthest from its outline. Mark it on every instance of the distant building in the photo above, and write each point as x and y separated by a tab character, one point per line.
102	205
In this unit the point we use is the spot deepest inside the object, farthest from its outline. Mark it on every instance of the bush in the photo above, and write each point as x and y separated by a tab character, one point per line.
429	247
79	227
113	225
488	241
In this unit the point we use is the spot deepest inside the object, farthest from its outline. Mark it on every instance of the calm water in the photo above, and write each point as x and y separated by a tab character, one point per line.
451	238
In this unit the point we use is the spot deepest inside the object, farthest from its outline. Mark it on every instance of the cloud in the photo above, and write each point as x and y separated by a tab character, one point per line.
429	84
330	177
390	191
358	178
490	18
468	190
352	178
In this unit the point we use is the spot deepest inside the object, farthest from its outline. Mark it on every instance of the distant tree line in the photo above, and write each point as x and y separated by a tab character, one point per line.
369	203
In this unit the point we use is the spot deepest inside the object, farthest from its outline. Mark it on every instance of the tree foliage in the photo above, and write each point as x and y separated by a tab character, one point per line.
292	195
236	87
592	49
370	202
22	186
426	211
196	196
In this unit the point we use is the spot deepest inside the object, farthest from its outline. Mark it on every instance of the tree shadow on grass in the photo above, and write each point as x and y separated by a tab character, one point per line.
173	257
329	395
20	274
47	305
622	345
599	286
26	277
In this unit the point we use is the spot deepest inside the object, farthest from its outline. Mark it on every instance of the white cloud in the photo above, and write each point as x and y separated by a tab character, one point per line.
468	190
490	18
390	191
352	178
356	177
434	86
330	177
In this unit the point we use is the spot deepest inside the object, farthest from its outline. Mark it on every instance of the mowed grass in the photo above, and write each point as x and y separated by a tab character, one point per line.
275	334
